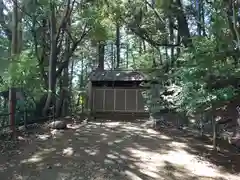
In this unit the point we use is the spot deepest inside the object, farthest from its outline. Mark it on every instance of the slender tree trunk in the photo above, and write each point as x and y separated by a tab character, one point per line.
198	9
140	46
203	18
42	50
214	135
62	103
60	99
178	42
171	38
232	26
166	60
52	59
66	93
144	46
64	99
14	46
82	86
236	29
118	48
20	31
14	54
71	86
101	53
127	56
82	74
183	25
160	57
154	63
112	56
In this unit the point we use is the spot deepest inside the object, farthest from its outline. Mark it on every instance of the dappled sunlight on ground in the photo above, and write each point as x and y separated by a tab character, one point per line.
38	156
107	151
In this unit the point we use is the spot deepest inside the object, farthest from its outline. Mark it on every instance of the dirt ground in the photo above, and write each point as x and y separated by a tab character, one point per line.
117	150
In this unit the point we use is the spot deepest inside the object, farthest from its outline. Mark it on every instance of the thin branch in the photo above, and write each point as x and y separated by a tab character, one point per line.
40	59
68	12
74	47
144	36
69	35
155	11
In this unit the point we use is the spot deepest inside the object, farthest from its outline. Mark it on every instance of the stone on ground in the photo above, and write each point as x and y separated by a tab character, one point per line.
58	125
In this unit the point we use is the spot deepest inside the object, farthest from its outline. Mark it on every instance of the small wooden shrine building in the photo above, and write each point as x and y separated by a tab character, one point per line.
117	91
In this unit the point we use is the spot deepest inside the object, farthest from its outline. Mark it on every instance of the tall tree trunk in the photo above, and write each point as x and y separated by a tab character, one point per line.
118	48
62	103
82	74
14	54
101	53
82	86
144	46
127	56
199	17
112	56
203	18
64	100
171	39
154	63
59	101
52	59
66	93
71	86
166	60
182	24
139	40
232	26
178	42
40	46
160	57
20	31
14	46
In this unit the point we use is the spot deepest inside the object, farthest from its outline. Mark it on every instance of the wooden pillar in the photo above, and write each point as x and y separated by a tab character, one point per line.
125	100
136	91
11	109
114	100
93	100
104	97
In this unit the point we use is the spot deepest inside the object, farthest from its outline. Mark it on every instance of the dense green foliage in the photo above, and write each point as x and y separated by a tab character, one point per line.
190	47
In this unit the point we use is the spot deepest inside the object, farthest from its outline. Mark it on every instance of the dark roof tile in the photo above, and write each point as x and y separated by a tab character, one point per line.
117	75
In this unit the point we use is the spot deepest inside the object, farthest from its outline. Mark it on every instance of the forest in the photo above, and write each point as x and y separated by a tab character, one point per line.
190	47
190	51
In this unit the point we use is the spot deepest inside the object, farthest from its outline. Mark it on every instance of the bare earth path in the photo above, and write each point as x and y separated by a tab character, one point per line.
108	151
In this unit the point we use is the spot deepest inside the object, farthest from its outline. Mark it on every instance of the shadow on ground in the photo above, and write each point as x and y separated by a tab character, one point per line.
112	151
226	157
